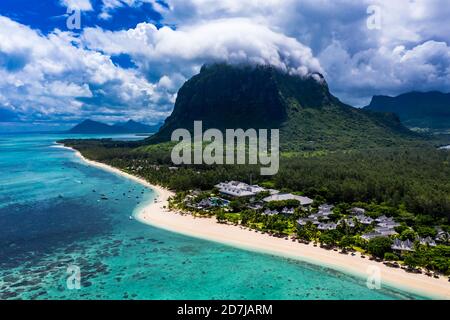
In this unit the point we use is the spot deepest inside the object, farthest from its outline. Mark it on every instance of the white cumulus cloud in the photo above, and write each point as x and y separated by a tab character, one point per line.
54	76
83	5
165	51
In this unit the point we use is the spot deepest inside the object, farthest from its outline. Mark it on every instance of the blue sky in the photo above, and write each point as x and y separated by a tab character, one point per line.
46	15
129	57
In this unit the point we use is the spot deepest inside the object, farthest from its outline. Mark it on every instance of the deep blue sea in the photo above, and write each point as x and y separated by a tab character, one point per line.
53	217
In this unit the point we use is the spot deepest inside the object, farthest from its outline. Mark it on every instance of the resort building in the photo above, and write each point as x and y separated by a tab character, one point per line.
324	213
255	206
349	222
238	189
403	245
358	211
273	191
385	222
385	232
318	216
364	220
269	212
326	207
371	235
304	201
288	211
205	204
322	218
427	241
442	236
388	224
327	226
212	202
304	221
382	218
379	232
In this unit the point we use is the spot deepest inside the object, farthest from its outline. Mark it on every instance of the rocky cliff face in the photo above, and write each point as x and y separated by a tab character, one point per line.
308	115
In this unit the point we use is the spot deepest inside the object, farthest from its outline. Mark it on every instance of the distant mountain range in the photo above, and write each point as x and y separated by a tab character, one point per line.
95	127
423	110
308	115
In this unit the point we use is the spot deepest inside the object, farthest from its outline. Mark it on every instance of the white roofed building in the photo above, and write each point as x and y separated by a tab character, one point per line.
442	236
386	232
358	211
288	211
386	222
371	235
269	212
304	221
348	222
364	220
304	201
327	226
238	189
326	209
427	241
403	245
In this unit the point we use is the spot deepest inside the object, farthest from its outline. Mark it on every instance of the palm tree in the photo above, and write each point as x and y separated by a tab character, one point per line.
345	243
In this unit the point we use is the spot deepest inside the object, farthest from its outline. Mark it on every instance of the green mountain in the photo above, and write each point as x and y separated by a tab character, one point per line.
92	127
308	115
425	110
95	127
136	127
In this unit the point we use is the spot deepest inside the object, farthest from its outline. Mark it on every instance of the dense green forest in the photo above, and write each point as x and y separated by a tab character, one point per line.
416	179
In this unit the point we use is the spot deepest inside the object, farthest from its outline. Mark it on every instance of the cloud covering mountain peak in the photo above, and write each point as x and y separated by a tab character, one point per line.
236	40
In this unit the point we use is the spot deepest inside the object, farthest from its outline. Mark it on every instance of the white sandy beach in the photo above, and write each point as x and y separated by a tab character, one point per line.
208	228
157	214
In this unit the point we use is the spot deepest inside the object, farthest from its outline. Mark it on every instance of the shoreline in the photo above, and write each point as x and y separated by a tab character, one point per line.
157	214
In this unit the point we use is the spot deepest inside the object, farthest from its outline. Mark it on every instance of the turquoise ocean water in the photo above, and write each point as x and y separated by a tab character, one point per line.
52	216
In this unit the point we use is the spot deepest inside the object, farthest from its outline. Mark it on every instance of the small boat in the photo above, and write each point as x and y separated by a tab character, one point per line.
131	218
